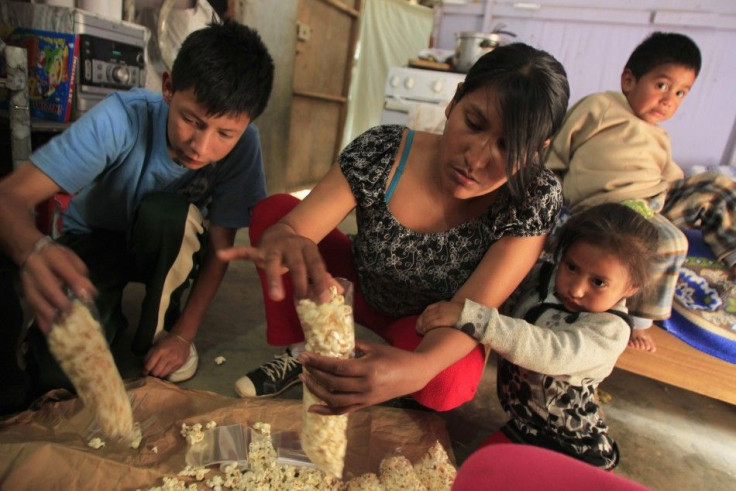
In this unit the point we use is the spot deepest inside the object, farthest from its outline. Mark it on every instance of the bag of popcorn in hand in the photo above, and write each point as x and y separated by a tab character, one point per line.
328	331
78	344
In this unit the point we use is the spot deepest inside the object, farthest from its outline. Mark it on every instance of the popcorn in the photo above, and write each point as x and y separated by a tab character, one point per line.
193	433
329	331
135	439
435	470
365	482
220	360
396	472
96	443
78	344
261	454
197	472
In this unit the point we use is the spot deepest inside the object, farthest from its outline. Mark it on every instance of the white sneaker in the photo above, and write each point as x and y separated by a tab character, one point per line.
188	369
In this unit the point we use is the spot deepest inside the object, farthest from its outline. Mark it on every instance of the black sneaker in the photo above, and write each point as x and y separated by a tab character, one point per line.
271	378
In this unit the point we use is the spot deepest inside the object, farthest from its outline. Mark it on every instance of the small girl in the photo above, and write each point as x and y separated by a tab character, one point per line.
568	324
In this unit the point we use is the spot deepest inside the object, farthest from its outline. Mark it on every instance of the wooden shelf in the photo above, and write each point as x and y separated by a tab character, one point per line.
679	364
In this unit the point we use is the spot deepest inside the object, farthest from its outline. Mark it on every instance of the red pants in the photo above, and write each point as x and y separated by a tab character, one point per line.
526	467
450	388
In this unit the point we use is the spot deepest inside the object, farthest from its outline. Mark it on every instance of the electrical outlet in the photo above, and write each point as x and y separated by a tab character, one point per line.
303	31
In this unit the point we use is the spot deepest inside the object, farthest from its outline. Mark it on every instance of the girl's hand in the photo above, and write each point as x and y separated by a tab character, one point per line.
379	374
440	314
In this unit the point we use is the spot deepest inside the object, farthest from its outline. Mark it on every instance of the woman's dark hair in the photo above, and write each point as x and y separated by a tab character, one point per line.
617	229
532	91
661	48
229	68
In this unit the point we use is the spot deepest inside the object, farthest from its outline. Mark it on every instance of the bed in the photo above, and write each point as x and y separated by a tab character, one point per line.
696	347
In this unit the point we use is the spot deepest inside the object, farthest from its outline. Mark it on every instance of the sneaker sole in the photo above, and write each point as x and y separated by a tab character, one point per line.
266	396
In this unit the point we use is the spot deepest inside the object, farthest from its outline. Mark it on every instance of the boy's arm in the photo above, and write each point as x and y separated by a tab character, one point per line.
170	352
206	284
45	268
672	172
581	123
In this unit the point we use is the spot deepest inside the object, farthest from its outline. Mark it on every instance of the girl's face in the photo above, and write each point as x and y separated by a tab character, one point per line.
473	150
591	279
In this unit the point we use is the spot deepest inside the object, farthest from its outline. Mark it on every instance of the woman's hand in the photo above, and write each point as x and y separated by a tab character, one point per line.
166	356
379	374
45	273
282	250
440	314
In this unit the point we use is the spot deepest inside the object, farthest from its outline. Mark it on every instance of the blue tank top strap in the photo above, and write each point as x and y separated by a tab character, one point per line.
400	168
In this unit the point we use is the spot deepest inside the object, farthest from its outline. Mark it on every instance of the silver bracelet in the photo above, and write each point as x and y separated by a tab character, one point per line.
38	246
179	338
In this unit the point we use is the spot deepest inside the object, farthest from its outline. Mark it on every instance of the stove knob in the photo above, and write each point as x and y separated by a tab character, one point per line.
395	81
409	83
437	86
119	74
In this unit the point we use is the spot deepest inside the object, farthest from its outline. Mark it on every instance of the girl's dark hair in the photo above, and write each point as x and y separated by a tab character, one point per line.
661	48
532	91
229	68
619	230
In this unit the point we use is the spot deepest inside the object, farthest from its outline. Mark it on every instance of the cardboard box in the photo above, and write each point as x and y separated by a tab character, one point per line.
52	66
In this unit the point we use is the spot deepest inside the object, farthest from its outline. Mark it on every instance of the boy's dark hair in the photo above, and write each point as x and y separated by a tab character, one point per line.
532	91
229	68
661	48
619	230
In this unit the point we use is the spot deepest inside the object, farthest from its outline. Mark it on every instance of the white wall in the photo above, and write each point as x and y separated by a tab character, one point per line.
593	42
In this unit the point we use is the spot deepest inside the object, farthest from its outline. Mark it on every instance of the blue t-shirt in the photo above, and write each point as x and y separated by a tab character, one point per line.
117	153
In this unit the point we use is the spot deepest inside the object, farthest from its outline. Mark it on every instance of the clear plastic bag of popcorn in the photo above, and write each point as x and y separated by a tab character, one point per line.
328	321
78	343
328	331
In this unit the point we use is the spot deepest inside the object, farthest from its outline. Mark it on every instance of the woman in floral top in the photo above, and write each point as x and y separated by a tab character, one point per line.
460	215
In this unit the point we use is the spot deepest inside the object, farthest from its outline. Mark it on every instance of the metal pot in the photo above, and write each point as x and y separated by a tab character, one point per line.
472	45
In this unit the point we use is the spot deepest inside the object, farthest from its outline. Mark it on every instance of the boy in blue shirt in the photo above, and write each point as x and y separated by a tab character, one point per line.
160	182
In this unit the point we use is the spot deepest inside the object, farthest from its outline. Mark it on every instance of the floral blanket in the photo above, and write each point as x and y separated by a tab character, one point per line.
704	310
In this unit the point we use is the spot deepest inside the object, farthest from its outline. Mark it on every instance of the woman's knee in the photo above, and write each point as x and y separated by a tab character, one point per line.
267	212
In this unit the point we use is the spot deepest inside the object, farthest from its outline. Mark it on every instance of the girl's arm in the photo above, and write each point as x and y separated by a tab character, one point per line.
385	372
291	244
592	341
501	270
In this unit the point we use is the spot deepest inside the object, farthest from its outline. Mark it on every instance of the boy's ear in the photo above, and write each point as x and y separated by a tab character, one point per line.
628	80
167	86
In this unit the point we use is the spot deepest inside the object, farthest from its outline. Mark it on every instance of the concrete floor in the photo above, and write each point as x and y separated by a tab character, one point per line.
670	439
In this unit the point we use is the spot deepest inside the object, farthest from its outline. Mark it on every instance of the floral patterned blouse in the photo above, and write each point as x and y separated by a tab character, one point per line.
401	271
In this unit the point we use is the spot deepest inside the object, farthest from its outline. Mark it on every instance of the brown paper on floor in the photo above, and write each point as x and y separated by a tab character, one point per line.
47	448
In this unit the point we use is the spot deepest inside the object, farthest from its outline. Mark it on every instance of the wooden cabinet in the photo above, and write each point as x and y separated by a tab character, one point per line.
313	44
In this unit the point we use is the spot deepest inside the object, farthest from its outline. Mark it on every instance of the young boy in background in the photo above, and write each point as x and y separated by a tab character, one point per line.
161	182
611	149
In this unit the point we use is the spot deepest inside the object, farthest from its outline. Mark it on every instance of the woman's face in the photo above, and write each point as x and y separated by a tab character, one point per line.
473	150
